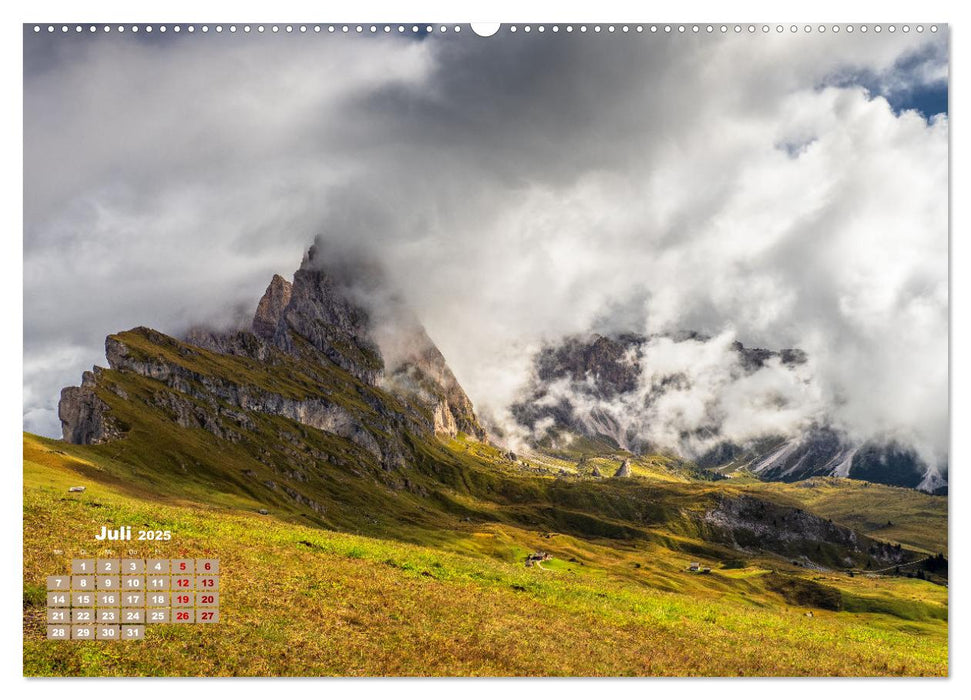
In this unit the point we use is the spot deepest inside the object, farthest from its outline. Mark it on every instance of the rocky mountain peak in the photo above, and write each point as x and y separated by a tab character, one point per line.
321	311
332	314
345	303
270	310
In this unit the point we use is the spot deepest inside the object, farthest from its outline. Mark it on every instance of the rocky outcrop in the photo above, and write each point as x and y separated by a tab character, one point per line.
422	375
443	422
321	312
753	359
239	342
302	333
748	523
269	312
85	418
623	471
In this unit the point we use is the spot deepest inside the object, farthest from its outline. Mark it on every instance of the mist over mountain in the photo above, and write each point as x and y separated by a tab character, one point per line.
710	400
517	191
309	355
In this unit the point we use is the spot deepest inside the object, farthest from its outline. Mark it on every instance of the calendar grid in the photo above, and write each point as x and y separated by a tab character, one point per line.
108	599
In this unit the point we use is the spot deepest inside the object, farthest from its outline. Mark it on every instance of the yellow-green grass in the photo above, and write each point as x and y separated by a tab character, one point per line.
655	467
888	513
298	600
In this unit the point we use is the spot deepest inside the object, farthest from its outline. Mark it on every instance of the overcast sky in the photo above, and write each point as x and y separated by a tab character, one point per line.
784	190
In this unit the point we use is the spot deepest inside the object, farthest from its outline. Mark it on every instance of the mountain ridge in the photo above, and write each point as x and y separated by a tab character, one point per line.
592	386
312	321
346	414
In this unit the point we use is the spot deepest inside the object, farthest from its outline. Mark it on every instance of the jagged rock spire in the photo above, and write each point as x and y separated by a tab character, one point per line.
335	311
270	310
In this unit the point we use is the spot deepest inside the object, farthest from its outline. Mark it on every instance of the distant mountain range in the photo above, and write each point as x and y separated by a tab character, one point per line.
592	386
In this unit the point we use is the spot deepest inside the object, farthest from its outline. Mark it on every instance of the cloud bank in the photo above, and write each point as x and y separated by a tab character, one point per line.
687	396
515	188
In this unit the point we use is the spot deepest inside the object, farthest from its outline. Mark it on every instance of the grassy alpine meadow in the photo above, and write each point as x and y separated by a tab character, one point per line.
300	600
891	513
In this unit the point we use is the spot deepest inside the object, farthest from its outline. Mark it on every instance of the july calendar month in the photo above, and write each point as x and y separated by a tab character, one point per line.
125	533
109	598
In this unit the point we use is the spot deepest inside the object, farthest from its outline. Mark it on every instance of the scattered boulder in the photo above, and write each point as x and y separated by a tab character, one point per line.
76	489
623	472
596	473
263	511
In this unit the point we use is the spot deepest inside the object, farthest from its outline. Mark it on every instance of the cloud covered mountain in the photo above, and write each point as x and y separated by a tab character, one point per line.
314	353
711	400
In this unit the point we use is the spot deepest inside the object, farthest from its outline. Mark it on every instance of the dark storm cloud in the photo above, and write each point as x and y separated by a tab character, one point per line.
515	188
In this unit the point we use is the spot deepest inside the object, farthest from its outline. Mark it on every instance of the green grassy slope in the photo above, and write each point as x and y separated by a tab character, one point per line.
409	559
890	513
433	583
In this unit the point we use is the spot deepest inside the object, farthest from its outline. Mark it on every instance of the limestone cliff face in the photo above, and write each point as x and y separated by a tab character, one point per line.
221	404
749	523
311	357
320	311
85	419
422	374
269	311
